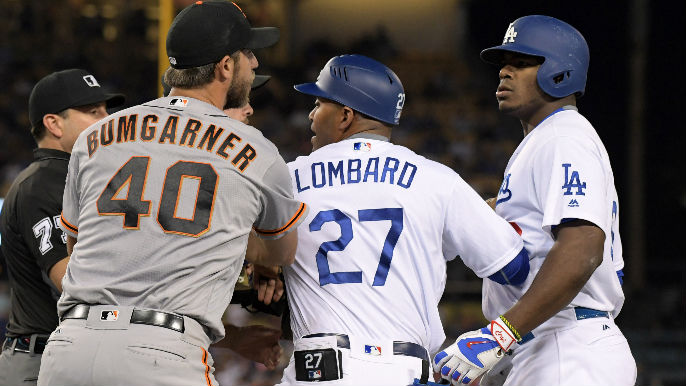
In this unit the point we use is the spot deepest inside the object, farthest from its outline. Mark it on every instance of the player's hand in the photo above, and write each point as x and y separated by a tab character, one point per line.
268	284
257	343
473	353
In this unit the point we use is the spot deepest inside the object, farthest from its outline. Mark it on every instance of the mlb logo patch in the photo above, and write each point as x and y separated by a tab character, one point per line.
372	350
109	315
178	102
314	374
362	146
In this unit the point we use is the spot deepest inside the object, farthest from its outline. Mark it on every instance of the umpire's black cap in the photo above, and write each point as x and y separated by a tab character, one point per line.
206	31
64	89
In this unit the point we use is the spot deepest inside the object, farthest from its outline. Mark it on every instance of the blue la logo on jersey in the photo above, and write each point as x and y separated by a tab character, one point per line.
504	190
573	181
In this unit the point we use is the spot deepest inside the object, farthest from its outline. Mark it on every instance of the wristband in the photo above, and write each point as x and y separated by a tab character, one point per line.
511	327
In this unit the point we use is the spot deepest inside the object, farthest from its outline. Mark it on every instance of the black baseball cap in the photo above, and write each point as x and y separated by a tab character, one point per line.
206	31
64	89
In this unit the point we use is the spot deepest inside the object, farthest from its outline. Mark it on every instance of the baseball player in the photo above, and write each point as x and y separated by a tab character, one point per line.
255	342
61	106
559	193
160	203
371	261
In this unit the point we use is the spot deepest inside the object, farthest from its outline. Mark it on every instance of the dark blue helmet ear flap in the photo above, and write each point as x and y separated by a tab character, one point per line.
361	83
562	47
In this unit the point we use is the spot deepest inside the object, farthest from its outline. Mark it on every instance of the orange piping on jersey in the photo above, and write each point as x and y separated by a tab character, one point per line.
207	367
290	223
67	225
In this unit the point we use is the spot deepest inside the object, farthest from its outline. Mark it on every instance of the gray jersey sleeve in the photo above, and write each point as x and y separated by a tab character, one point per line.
280	212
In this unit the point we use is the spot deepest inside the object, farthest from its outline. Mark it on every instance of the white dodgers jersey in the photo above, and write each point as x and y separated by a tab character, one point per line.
372	252
559	172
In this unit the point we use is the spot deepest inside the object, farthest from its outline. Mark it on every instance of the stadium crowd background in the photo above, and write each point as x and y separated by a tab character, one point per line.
450	116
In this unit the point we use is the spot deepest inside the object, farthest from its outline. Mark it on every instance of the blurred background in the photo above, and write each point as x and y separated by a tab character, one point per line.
633	98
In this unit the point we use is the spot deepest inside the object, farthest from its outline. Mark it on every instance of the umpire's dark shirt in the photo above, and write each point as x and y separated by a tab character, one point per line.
32	242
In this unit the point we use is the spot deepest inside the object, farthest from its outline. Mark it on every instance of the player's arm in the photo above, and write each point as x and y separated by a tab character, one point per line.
575	255
57	271
267	252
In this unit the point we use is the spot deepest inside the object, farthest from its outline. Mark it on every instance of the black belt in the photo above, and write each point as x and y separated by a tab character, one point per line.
149	317
22	343
399	348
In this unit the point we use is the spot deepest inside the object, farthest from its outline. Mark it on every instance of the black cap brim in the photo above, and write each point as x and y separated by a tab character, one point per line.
259	81
111	100
494	55
262	37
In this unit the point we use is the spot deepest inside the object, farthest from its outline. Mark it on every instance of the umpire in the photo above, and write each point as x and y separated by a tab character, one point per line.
61	106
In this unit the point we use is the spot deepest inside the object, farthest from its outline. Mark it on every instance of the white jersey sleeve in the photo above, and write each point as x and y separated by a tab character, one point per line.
481	236
571	182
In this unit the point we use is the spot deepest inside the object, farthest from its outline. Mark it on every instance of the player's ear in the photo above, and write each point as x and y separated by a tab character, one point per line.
223	71
53	124
347	115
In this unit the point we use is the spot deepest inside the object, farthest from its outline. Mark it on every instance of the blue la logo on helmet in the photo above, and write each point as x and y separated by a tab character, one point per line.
563	48
510	34
361	83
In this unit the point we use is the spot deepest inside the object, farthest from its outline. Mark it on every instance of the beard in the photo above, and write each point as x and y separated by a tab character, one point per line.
239	92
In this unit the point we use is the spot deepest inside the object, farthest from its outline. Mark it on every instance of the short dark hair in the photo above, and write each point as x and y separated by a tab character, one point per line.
38	131
195	76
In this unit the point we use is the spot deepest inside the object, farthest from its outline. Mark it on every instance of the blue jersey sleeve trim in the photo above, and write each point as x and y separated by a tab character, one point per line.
515	272
620	276
564	220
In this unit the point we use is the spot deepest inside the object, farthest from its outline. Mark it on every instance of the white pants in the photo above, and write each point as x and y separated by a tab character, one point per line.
363	369
592	352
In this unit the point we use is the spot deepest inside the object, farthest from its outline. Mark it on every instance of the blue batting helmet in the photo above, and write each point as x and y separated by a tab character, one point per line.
562	47
361	83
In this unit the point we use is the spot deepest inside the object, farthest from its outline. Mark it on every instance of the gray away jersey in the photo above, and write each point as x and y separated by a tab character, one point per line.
161	198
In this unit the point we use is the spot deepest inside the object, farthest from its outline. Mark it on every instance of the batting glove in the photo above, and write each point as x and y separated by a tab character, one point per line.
474	353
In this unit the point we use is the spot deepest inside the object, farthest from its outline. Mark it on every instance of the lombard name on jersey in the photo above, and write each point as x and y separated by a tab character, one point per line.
385	170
